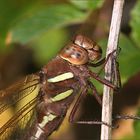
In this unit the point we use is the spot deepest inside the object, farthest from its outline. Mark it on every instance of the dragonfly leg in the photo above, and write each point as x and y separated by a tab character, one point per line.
110	55
99	63
117	85
73	112
78	101
95	93
103	81
117	76
102	61
126	117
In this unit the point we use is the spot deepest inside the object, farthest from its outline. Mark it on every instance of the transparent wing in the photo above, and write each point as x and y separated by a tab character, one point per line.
18	91
17	126
23	96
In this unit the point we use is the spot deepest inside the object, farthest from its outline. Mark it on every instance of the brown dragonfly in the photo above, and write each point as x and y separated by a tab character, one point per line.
53	90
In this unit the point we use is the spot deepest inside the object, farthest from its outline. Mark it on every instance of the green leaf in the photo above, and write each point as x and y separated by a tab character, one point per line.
135	23
87	4
48	45
129	58
10	11
45	19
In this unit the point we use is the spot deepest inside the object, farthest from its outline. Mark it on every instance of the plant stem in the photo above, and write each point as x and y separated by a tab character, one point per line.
112	45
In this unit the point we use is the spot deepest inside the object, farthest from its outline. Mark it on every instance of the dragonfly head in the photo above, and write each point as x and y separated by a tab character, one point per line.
81	51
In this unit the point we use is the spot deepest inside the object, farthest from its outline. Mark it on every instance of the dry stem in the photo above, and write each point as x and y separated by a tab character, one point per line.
112	45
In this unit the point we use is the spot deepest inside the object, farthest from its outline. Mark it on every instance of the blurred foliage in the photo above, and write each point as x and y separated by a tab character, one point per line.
128	59
127	69
135	24
136	135
48	45
87	4
45	19
137	128
10	11
134	57
43	26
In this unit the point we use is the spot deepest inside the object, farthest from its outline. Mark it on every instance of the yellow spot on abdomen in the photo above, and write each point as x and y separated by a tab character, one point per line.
62	95
47	119
61	77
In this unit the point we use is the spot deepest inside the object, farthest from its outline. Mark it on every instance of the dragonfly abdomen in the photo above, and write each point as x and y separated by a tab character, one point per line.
58	93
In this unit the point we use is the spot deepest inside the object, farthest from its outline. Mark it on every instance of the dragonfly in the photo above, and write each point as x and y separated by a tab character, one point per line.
54	88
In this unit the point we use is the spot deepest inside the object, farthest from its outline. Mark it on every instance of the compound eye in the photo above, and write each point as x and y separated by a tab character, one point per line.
95	53
74	54
77	55
84	42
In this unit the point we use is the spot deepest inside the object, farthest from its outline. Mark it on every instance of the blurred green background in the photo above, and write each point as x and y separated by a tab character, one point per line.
33	32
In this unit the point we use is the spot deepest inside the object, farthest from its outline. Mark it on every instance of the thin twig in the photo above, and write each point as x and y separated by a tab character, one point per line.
112	45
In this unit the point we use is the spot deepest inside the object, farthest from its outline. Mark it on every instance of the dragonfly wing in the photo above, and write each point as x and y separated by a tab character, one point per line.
17	126
18	91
